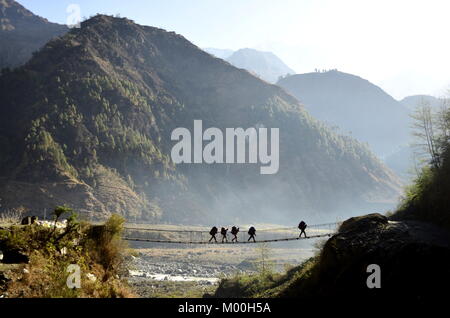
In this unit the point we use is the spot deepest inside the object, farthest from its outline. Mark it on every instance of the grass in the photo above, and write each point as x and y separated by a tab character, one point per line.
12	216
265	284
170	289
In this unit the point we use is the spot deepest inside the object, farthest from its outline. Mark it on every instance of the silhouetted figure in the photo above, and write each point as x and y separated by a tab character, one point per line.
234	231
252	233
224	231
302	226
213	233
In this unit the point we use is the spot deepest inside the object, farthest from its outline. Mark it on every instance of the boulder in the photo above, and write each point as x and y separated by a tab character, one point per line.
412	261
364	223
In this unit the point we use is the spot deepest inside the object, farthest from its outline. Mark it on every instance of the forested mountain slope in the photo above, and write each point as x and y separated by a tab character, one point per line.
94	126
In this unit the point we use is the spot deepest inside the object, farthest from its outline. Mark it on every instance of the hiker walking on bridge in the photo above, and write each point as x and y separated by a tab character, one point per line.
252	233
302	227
213	233
234	231
224	231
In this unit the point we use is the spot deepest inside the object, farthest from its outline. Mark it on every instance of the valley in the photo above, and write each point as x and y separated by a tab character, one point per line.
135	164
184	271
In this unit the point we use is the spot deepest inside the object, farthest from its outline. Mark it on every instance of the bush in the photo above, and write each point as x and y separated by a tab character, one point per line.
106	246
98	250
428	198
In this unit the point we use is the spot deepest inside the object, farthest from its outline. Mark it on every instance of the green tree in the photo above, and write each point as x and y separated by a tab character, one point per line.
59	211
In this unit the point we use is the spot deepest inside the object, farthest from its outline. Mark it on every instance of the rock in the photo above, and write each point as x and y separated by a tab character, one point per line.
364	223
411	264
26	271
4	277
1	256
63	251
91	277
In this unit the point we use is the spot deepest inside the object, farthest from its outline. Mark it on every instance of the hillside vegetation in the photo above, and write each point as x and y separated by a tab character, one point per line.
36	259
428	198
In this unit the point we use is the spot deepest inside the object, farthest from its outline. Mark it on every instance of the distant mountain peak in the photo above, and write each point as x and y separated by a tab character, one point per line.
22	33
13	15
220	53
102	102
353	104
266	65
414	101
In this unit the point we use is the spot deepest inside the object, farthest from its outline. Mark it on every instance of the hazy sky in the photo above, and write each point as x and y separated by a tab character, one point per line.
401	45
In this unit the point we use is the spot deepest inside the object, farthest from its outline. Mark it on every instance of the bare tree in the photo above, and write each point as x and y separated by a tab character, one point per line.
443	124
431	128
424	132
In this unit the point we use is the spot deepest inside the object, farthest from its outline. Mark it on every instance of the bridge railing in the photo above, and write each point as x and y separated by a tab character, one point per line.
202	236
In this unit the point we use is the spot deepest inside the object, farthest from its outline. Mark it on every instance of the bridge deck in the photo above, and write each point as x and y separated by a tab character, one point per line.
229	242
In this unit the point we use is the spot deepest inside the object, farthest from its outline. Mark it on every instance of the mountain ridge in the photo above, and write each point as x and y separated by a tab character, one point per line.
266	65
22	33
102	103
354	105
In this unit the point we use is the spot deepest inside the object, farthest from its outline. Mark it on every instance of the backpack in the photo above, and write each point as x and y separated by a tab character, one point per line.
302	225
213	231
251	231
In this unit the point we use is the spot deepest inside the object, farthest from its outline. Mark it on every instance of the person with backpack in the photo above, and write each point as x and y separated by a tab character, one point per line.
302	227
213	233
224	231
252	233
234	231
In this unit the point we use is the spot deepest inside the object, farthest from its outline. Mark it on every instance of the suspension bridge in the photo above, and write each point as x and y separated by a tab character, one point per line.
202	236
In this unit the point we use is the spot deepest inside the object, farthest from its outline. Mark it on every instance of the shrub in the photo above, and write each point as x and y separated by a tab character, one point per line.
98	250
106	246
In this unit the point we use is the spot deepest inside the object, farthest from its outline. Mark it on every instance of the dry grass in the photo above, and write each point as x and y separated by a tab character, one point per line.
13	216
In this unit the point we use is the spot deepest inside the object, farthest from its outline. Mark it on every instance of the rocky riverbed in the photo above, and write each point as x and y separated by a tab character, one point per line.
191	272
182	278
144	267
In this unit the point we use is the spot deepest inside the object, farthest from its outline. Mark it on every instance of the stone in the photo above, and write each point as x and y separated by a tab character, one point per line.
63	251
91	277
4	277
364	223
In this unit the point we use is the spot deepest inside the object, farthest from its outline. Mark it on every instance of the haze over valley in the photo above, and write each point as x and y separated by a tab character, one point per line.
133	134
